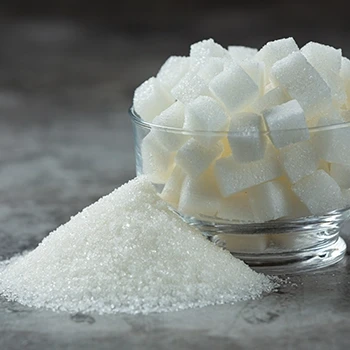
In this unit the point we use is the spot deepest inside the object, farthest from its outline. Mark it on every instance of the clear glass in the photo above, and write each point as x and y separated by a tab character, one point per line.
288	244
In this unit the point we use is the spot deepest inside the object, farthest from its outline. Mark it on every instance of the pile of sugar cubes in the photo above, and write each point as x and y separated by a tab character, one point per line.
250	136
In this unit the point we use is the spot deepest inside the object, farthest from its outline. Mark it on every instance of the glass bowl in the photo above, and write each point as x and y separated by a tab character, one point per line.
276	241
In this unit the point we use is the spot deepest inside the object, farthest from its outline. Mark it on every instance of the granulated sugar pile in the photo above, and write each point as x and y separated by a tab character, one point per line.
128	253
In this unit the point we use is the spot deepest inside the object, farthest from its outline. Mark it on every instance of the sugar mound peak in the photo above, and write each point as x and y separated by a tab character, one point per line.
128	253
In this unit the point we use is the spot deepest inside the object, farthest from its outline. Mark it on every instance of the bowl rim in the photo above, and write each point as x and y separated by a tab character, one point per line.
136	119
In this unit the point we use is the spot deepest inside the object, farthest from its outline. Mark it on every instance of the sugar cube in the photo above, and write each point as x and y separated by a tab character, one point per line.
323	58
172	117
327	61
234	87
202	50
194	158
337	87
233	177
246	137
341	174
286	123
172	189
303	83
241	53
150	99
199	196
275	96
236	208
211	68
319	192
157	161
345	76
205	114
276	50
174	68
299	208
189	87
332	144
256	70
270	201
299	160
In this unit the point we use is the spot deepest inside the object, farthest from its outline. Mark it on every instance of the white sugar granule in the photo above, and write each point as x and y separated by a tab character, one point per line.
128	253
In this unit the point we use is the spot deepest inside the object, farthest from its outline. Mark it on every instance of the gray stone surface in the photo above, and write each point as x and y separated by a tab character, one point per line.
65	140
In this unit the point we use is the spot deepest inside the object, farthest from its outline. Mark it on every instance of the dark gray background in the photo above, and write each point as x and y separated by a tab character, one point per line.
67	74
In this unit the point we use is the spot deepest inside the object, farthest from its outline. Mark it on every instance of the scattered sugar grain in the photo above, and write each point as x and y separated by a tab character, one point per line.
128	253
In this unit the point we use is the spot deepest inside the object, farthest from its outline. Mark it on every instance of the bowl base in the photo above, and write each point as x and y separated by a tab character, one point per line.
283	246
285	263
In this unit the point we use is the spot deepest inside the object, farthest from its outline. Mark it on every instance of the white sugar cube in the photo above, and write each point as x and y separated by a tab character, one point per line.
341	174
333	144
150	99
199	196
275	96
172	117
236	208
205	114
157	161
299	208
286	123
202	50
234	87
233	177
345	76
241	53
327	61
189	87
323	58
174	68
256	70
194	158
246	137
270	201
211	68
299	160
276	50
337	87
303	83
319	192
172	189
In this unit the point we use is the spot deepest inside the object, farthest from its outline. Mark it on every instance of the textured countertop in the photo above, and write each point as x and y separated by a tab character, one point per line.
65	140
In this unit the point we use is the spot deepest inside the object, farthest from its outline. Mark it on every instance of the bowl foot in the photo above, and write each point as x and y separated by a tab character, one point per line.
283	263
